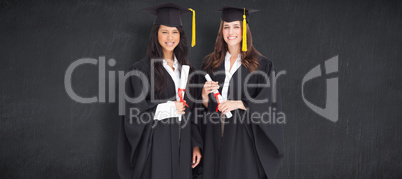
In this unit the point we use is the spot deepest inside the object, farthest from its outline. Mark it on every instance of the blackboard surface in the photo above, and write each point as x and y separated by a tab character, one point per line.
44	133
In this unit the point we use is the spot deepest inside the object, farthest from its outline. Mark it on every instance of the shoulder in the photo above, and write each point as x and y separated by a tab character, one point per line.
204	63
142	65
265	64
139	68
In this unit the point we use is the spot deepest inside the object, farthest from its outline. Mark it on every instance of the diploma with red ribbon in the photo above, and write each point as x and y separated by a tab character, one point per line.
185	69
168	109
218	97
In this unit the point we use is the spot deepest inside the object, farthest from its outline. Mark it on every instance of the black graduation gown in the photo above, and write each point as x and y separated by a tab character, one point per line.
147	152
247	149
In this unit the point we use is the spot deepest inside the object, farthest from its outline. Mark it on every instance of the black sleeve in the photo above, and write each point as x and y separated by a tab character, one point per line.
135	133
268	136
198	111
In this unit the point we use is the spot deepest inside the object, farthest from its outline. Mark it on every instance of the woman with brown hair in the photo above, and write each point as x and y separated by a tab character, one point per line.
241	137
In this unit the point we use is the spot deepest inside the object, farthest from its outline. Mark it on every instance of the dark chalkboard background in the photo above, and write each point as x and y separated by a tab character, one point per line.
46	134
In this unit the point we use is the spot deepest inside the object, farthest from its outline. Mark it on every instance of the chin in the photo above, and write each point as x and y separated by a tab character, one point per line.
233	43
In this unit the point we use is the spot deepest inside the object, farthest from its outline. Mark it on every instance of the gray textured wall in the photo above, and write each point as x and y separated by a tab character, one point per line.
45	134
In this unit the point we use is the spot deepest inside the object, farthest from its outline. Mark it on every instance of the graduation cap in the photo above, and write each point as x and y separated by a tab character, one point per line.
230	14
169	14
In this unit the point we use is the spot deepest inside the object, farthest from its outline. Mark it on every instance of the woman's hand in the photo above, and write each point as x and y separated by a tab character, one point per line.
196	157
230	105
209	87
179	107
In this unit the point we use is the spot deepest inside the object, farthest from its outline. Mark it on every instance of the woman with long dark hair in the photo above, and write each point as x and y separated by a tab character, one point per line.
241	137
155	138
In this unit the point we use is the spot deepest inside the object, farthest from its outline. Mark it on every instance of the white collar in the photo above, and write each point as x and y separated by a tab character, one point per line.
227	57
175	62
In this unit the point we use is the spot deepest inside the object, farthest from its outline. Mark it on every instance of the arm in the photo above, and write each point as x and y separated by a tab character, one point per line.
230	105
268	136
134	145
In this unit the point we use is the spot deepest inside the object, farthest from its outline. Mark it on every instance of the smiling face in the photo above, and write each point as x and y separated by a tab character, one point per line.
168	38
232	33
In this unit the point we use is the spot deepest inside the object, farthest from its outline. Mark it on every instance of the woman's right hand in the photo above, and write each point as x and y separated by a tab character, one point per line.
179	107
209	87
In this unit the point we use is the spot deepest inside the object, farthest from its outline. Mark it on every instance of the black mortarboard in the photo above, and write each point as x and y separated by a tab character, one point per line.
230	14
169	14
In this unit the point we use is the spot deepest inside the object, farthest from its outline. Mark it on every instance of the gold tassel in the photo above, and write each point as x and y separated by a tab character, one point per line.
193	28
244	45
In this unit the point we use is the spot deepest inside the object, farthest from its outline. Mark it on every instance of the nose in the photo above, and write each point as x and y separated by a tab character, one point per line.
170	36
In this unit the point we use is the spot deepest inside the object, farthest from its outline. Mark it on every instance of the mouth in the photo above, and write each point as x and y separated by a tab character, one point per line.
169	44
232	38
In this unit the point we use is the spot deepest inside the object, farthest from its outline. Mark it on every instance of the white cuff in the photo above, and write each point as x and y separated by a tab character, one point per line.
166	110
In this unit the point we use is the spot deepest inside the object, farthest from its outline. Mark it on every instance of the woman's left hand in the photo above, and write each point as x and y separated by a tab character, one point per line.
230	105
196	157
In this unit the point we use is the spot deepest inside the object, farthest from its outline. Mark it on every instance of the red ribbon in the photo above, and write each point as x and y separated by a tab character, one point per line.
217	99
181	91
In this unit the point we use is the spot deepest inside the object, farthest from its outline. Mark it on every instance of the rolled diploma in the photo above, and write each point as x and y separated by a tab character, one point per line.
228	114
163	113
185	69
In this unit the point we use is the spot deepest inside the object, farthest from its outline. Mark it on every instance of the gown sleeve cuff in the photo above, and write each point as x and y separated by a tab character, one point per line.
166	110
245	103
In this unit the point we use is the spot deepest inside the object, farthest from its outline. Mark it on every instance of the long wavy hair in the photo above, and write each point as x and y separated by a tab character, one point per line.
155	51
249	58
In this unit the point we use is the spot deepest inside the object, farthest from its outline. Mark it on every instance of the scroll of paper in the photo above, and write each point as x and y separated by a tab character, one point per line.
185	69
183	82
168	109
218	97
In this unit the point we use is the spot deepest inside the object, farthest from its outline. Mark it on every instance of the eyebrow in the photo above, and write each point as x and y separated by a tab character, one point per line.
166	30
236	25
